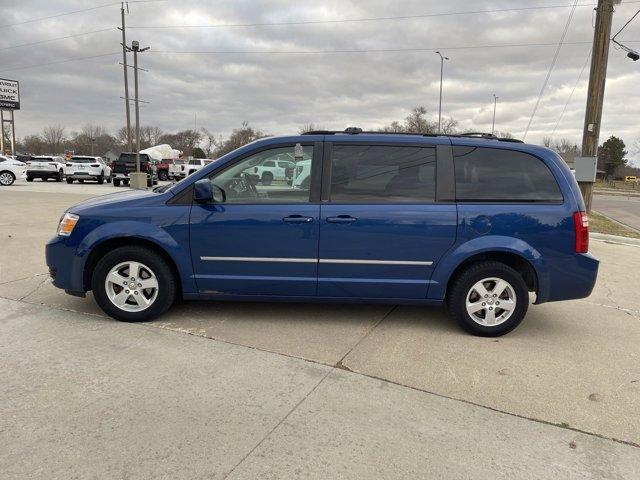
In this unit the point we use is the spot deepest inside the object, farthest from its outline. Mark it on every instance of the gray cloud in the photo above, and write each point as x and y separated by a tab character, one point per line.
279	92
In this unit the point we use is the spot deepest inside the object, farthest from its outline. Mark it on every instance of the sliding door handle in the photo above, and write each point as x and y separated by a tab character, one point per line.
341	219
297	219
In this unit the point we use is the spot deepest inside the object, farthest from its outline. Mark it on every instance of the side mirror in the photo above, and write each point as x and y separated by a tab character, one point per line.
202	191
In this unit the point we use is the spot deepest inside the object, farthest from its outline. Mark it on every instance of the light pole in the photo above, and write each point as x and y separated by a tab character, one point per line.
140	180
442	59
493	125
93	141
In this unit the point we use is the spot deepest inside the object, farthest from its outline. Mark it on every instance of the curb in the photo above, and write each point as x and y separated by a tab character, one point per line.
617	239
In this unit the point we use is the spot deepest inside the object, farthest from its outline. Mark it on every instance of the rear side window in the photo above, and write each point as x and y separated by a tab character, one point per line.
496	175
383	174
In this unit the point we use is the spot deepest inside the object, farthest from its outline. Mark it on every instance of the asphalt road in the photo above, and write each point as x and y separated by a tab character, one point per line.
621	208
242	390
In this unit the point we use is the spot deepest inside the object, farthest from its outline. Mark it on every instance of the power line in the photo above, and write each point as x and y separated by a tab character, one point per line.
553	64
586	62
73	12
369	19
76	59
625	25
58	38
308	52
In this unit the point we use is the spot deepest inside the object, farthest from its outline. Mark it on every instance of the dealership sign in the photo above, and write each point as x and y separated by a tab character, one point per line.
9	94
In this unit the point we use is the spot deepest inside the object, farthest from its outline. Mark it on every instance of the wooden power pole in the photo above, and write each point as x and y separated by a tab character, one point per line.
595	96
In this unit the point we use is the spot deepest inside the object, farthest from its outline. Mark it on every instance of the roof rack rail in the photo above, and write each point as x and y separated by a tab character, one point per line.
357	130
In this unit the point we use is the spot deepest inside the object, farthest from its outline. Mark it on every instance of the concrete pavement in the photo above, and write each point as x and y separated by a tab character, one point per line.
420	387
85	397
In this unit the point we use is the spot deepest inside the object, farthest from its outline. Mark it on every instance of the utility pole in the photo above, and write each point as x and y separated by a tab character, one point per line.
495	103
442	59
595	95
126	76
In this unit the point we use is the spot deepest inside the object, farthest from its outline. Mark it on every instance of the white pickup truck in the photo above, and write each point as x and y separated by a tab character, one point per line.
272	170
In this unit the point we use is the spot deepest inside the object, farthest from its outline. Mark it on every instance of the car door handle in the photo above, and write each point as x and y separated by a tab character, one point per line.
297	219
341	219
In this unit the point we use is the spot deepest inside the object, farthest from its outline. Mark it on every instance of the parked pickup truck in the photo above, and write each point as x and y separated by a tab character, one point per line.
194	165
126	164
176	169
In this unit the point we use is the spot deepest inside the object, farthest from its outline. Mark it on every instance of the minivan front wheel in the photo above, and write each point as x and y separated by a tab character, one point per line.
133	284
488	299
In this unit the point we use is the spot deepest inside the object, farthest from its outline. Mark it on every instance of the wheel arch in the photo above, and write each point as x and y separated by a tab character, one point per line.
110	244
514	260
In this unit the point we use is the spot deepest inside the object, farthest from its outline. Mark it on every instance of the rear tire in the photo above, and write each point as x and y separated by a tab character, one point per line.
60	176
80	181
29	179
100	179
7	178
163	175
116	183
267	178
69	181
152	267
488	299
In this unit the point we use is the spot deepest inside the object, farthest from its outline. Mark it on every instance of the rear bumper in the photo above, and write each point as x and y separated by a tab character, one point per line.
42	173
81	175
569	279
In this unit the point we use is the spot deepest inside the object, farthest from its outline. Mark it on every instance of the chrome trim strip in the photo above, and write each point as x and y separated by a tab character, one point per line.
260	259
314	260
374	262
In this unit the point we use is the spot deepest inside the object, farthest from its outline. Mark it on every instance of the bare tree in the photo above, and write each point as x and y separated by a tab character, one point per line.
417	122
310	127
239	137
210	141
53	136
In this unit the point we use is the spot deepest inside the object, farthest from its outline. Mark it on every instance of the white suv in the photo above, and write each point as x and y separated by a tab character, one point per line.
45	167
83	168
11	170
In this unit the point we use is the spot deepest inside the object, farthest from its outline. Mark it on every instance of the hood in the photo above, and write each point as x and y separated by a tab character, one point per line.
118	199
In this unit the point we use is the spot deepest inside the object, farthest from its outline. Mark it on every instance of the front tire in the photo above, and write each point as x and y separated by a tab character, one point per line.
116	183
267	178
100	179
133	284
163	175
29	179
488	299
69	180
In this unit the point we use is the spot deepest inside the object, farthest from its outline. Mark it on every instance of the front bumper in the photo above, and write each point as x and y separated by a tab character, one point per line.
65	267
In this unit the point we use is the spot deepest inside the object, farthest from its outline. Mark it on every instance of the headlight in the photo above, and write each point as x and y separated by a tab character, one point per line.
67	224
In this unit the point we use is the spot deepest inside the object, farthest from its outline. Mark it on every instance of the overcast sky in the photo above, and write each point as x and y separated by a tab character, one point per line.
278	92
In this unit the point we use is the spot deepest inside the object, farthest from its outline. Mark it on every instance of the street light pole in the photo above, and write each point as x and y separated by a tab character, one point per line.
442	59
495	102
135	48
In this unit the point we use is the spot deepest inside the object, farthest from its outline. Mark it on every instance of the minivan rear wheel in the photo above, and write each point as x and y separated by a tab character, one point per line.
133	284
488	299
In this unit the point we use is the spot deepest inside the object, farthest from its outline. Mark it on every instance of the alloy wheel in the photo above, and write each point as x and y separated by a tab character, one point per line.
491	301
131	286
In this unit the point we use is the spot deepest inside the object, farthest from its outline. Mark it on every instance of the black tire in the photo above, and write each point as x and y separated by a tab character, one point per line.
125	182
267	178
100	179
29	179
462	285
60	176
80	180
69	180
167	285
116	183
7	179
108	179
163	175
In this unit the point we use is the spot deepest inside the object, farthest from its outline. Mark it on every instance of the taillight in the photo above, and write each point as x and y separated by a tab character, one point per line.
581	229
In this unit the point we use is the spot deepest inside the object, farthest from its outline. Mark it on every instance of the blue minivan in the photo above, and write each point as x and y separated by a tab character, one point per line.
474	222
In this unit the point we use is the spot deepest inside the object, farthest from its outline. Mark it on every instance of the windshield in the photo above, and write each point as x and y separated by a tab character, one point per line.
42	159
